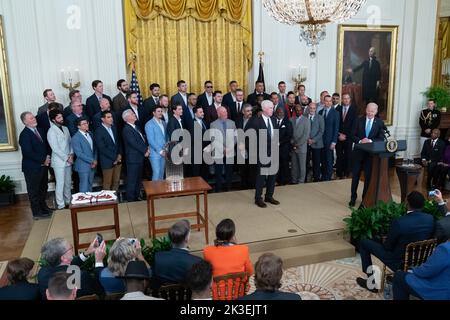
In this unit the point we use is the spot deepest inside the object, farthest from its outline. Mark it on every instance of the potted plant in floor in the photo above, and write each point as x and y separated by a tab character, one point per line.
7	187
440	95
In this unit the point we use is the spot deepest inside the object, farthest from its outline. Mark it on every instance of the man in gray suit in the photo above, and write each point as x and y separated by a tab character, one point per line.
299	141
315	141
223	148
50	97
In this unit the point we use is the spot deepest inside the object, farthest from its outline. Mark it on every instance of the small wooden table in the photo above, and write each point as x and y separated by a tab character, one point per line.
97	206
161	189
407	175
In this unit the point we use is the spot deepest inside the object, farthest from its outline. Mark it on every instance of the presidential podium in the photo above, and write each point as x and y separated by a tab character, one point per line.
379	187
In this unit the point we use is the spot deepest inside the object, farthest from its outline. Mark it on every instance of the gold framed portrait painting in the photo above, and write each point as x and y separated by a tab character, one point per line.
8	140
367	59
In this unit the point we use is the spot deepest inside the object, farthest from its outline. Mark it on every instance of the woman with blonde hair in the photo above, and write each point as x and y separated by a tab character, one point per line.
121	252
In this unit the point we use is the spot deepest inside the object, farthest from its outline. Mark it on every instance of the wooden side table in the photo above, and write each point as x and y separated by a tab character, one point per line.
407	175
97	206
161	190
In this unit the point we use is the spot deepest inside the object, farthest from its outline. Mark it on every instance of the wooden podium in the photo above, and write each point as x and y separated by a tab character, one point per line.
379	187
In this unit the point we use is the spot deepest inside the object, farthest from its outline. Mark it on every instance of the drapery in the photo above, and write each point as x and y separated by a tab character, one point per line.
191	40
442	50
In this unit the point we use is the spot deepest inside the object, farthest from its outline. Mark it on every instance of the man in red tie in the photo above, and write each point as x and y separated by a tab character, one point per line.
35	163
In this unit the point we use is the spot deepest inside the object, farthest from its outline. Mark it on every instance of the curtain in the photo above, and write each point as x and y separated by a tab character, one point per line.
191	40
442	49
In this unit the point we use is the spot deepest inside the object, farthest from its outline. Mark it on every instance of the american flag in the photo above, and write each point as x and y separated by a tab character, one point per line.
135	85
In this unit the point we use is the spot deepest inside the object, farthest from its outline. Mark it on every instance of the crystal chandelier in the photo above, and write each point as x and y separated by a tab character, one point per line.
312	15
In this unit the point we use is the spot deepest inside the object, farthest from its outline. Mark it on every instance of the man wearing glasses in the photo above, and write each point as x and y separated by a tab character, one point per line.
206	98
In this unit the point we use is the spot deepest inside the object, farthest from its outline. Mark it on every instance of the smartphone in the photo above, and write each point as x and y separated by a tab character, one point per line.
432	193
132	241
99	238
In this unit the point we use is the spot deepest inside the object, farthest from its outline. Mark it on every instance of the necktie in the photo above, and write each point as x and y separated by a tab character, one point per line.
279	122
370	63
311	119
157	101
224	127
283	99
88	137
368	128
203	124
36	133
325	114
345	113
111	134
238	107
433	144
269	128
136	128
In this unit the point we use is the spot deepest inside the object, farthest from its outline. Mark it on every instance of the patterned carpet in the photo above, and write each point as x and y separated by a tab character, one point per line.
334	280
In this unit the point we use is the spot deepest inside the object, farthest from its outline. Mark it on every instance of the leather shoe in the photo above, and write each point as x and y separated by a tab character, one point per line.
272	201
42	216
260	203
352	203
363	284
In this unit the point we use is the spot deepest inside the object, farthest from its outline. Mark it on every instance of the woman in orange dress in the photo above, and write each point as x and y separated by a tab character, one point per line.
226	256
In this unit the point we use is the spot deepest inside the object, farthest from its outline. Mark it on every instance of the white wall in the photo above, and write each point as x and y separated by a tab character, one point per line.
40	44
416	20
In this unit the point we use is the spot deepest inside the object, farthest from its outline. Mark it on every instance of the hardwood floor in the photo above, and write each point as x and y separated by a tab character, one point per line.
16	221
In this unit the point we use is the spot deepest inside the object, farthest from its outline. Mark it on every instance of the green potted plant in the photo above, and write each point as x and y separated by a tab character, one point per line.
7	187
440	95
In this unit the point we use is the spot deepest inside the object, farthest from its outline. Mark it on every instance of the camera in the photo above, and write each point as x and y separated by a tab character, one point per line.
432	193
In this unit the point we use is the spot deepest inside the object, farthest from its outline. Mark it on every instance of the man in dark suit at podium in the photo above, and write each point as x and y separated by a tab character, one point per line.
367	130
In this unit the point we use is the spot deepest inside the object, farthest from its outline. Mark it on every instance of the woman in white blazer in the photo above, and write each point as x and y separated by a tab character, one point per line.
58	137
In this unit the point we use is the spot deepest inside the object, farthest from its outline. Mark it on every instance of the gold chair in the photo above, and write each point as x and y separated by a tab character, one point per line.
230	286
91	297
416	253
173	292
114	296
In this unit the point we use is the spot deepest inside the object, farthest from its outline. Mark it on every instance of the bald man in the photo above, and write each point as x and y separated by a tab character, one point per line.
224	159
368	129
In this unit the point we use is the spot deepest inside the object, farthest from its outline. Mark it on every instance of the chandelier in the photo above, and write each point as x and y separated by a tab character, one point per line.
312	15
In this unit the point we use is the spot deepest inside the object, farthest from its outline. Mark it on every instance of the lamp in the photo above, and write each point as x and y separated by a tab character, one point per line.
70	79
312	15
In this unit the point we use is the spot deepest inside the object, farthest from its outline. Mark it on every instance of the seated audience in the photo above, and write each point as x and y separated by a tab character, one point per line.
226	256
429	281
121	253
268	274
137	280
432	153
442	169
414	226
171	267
442	229
58	289
57	255
17	273
199	280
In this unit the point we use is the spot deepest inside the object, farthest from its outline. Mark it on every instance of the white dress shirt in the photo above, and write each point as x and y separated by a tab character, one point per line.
109	129
270	122
87	136
135	111
209	98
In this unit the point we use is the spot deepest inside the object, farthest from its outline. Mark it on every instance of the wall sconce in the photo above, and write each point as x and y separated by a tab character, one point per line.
299	78
70	79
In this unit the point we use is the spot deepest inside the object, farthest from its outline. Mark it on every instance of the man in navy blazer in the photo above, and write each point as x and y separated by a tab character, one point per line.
206	98
181	97
43	119
109	149
35	162
136	150
76	113
138	110
347	116
268	273
330	137
172	266
229	99
414	226
84	147
429	281
366	130
97	118
93	102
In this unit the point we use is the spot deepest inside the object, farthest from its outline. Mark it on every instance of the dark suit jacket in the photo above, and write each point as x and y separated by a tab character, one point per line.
211	113
149	105
89	284
20	291
187	118
435	154
71	123
228	100
359	130
240	123
370	78
331	127
203	101
442	231
34	152
346	126
257	123
252	98
135	146
172	126
97	120
108	150
44	108
172	266
235	115
414	226
271	295
93	105
192	129
119	102
68	111
43	122
286	132
178	99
